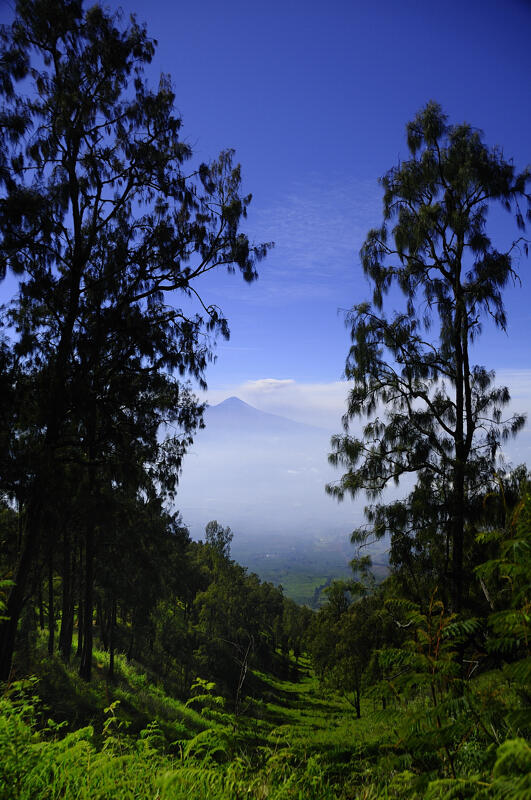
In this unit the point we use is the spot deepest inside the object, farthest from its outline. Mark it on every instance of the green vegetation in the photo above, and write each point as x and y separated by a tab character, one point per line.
426	409
303	567
136	663
391	703
131	740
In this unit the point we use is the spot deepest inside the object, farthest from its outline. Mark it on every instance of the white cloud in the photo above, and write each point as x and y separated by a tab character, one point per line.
519	383
270	385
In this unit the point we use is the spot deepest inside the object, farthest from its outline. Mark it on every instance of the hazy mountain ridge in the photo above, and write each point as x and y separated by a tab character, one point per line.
236	415
264	475
260	473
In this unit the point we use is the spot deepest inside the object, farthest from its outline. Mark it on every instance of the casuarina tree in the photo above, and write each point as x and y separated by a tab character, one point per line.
107	223
428	410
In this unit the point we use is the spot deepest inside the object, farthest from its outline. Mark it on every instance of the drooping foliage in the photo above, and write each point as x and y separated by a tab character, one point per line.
430	412
108	224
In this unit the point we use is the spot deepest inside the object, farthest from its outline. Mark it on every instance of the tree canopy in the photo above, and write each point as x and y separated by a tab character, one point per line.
107	222
430	412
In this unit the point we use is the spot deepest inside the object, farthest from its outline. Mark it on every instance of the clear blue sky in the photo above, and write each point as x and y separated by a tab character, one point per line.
314	97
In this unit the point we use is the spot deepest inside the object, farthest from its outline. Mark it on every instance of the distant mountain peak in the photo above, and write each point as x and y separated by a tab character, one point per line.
232	401
235	412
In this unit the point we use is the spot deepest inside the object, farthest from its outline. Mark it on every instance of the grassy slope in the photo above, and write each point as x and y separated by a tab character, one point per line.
291	742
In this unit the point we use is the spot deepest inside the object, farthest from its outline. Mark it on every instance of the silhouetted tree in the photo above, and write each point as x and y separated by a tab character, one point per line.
430	412
105	225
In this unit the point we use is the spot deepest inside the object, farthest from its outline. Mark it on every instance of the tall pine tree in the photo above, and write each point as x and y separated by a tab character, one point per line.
430	412
105	224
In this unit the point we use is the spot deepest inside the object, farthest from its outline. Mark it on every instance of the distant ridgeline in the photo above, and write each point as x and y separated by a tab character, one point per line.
266	476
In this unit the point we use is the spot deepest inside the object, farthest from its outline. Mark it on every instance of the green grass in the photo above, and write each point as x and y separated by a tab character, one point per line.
67	698
130	739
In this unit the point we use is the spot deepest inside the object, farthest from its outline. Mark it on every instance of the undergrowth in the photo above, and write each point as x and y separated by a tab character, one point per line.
294	743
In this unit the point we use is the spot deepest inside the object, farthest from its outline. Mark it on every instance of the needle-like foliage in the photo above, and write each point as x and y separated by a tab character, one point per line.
430	412
109	228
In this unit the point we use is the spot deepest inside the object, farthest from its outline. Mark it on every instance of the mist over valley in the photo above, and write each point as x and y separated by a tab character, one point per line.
264	476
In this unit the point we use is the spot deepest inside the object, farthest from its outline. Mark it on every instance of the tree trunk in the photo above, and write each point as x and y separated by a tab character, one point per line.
80	604
40	604
85	666
457	540
130	649
111	640
458	477
51	605
103	619
67	605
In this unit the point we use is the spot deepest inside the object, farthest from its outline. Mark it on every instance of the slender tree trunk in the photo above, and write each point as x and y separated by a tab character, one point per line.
85	666
67	605
130	649
80	604
458	539
40	603
51	605
79	648
66	633
458	488
111	640
102	619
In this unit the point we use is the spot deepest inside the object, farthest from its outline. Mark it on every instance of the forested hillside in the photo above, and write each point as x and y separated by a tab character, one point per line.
396	701
138	663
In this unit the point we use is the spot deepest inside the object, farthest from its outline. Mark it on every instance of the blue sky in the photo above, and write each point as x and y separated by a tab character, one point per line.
315	97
